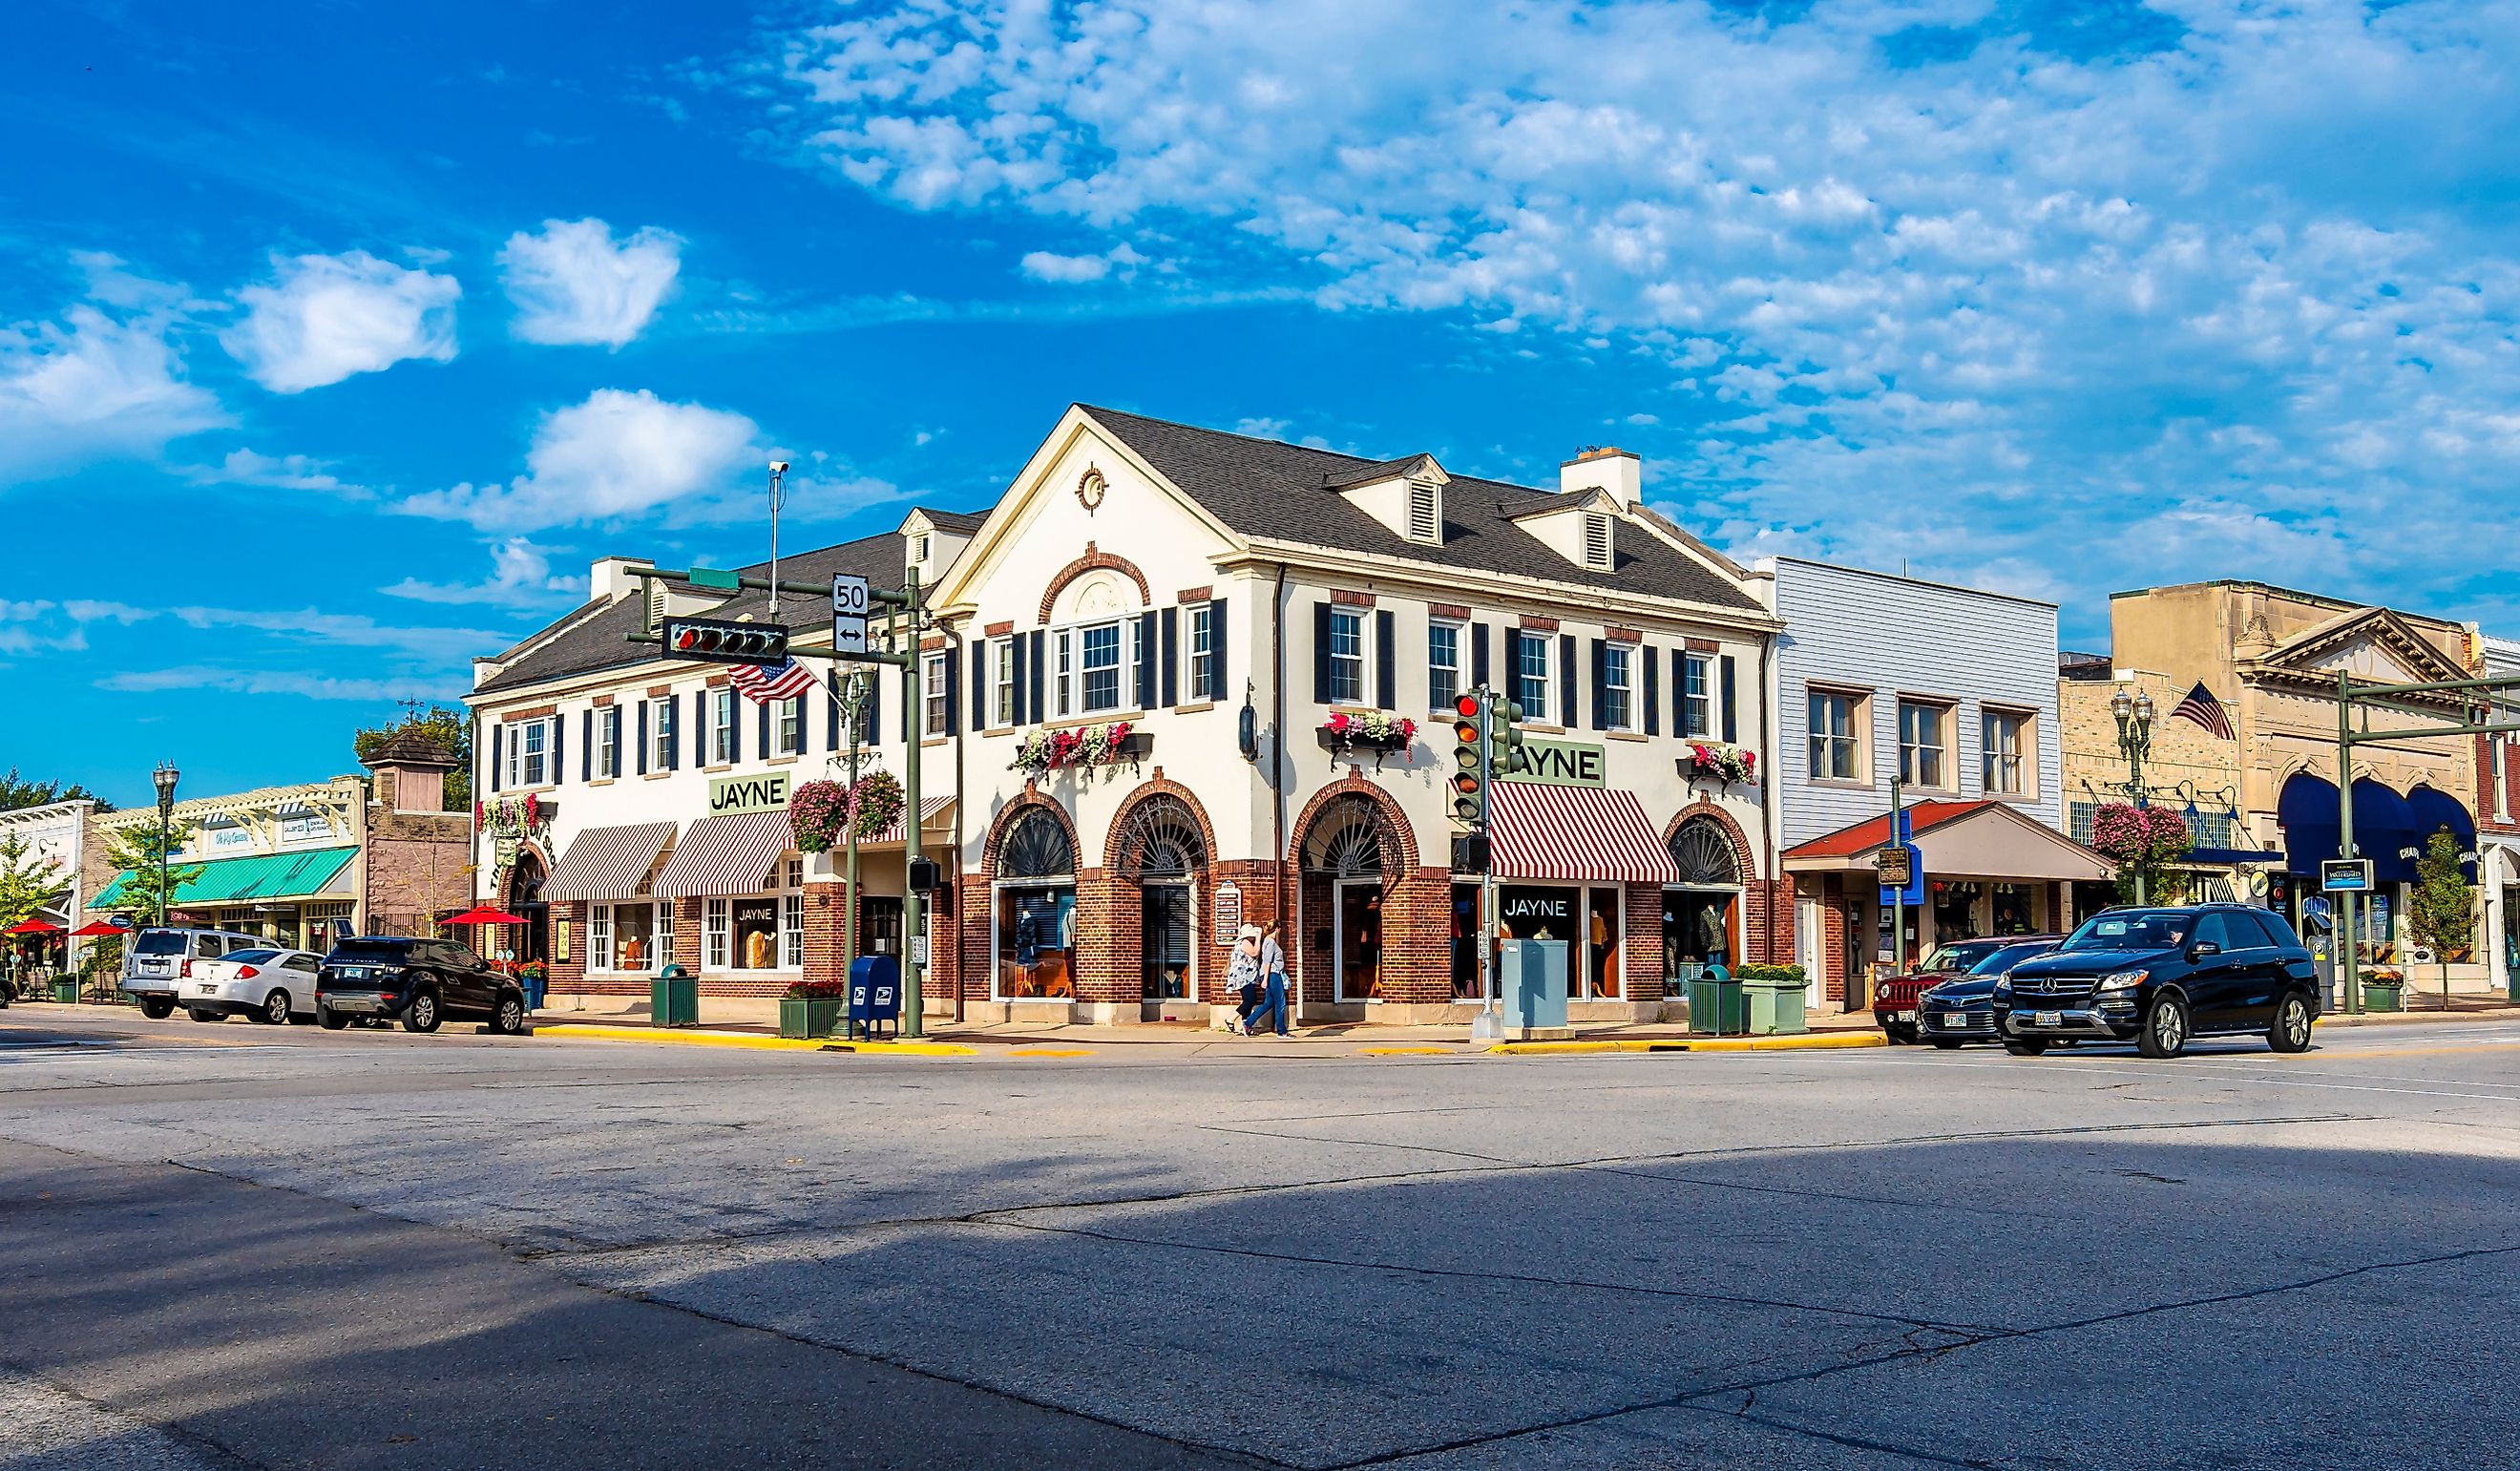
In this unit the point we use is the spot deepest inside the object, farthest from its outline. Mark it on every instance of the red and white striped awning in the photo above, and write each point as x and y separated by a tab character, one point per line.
608	863
732	852
929	808
1581	834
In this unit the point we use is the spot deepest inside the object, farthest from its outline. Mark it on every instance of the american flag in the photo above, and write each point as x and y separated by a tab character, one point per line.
762	684
2202	707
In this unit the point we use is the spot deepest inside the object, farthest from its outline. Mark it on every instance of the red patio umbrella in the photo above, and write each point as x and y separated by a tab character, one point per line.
32	928
97	928
484	914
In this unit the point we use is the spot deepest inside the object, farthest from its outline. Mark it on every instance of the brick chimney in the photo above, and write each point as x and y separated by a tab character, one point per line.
410	772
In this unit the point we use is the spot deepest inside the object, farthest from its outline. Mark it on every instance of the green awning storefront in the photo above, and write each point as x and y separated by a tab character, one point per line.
246	879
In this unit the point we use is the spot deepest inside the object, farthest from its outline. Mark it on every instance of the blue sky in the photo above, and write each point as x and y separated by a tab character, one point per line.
336	340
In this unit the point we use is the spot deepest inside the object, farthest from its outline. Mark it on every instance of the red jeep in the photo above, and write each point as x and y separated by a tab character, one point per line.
1894	998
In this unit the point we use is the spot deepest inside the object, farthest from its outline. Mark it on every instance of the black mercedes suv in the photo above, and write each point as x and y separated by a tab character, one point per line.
420	981
2158	977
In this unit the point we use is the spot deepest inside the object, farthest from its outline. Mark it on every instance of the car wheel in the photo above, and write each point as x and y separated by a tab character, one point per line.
328	1020
157	1008
2024	1046
2291	1030
507	1017
2165	1029
274	1008
198	1015
1947	1043
422	1014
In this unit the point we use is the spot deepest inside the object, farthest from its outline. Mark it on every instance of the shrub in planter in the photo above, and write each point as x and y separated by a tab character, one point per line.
813	1008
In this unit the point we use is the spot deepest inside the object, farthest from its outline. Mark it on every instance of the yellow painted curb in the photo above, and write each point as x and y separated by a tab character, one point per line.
1820	1041
1406	1052
568	1032
904	1048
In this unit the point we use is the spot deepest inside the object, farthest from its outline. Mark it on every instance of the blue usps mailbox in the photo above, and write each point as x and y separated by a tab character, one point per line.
874	995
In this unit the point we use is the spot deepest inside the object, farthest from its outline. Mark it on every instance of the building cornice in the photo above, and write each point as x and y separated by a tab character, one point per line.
1504	591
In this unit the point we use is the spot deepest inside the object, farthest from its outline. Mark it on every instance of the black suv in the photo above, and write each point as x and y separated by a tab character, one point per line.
420	981
2157	977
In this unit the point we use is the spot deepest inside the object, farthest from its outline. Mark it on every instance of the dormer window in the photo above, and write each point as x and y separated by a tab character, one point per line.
1596	540
918	549
1426	514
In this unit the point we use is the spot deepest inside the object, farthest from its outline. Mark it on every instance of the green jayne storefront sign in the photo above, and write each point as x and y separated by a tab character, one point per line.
767	792
1559	763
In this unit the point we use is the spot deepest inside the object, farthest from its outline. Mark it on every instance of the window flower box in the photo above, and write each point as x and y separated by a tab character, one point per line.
1377	731
1722	764
1111	744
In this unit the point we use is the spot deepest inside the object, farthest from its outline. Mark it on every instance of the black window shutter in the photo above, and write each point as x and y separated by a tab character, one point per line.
1172	657
495	734
1653	688
952	688
1322	652
1147	651
586	748
1040	708
1478	654
831	714
643	737
1387	653
980	711
1023	692
1600	684
1732	722
761	730
804	725
702	749
670	755
618	756
1216	686
735	731
871	715
1566	680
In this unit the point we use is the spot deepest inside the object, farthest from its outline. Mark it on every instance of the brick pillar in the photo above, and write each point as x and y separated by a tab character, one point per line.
686	934
569	974
1313	919
944	977
1257	878
973	913
1418	939
1641	947
827	933
1832	940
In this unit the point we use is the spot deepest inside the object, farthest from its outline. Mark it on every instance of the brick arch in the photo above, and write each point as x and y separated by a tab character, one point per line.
1095	560
1355	783
1744	854
508	880
1000	824
1157	785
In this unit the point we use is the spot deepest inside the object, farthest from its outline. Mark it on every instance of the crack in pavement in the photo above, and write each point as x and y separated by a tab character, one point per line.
203	1446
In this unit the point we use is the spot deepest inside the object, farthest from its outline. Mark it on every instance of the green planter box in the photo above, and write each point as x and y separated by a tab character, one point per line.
2379	998
65	992
1775	1007
1718	1009
810	1015
674	998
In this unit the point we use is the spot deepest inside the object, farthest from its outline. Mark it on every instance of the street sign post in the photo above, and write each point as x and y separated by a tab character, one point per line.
850	601
2345	875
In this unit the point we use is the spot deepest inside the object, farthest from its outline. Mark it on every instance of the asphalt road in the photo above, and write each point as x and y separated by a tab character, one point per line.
238	1246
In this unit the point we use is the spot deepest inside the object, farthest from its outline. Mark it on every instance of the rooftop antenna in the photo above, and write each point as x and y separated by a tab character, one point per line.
778	498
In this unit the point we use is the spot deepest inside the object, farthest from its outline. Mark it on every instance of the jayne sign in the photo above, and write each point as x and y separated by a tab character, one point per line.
1559	763
767	792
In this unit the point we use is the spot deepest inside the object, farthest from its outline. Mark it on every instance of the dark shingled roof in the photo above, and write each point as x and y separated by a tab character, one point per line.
1262	488
602	641
954	520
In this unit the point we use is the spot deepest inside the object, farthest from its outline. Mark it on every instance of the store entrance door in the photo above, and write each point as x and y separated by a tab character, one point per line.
1359	940
1164	940
880	926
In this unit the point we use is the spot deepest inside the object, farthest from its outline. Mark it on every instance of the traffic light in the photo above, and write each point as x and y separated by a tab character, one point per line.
1505	750
1471	723
725	641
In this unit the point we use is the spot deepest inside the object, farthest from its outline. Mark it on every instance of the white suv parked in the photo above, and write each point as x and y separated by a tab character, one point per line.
269	985
160	960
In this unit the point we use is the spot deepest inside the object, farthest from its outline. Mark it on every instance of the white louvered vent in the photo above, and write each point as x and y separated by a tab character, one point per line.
1426	514
1596	540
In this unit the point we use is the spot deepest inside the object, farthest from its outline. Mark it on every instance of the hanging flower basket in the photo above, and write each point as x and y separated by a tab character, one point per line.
1047	752
1377	731
820	814
1722	764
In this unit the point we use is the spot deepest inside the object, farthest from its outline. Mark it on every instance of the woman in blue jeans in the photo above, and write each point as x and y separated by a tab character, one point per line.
1273	987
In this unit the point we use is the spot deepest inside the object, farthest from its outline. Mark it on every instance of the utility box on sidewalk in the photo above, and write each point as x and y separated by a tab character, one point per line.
1775	1004
674	997
1531	981
875	995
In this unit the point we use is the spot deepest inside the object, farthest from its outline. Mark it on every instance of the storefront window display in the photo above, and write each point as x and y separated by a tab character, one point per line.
626	936
1956	911
2016	910
1465	942
1035	924
756	931
1587	919
1697	913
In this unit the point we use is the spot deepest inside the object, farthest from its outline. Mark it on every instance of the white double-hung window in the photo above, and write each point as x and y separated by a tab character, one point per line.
1347	657
1201	637
1002	684
1095	667
1618	686
788	727
721	726
529	745
1697	695
1443	663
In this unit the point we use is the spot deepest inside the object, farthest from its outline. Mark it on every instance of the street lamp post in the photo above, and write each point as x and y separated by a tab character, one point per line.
2135	739
165	776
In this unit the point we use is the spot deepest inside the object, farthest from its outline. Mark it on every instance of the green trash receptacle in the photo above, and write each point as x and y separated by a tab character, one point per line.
66	989
1775	1005
1716	1007
674	997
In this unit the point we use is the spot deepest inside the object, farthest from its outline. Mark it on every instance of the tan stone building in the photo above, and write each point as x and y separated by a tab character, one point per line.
2261	792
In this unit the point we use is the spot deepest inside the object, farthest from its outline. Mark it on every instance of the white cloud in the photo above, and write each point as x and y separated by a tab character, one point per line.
327	317
267	682
99	384
618	454
520	576
575	284
281	473
2191	288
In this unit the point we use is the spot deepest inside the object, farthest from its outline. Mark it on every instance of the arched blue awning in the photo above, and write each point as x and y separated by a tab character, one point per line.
2384	831
2306	810
2432	810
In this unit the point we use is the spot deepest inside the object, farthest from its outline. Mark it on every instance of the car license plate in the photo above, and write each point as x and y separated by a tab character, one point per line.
1903	1016
2047	1018
206	988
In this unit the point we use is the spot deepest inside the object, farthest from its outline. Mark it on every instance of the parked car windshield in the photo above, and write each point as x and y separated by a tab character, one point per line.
2136	929
254	956
2008	956
372	951
159	942
1961	959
